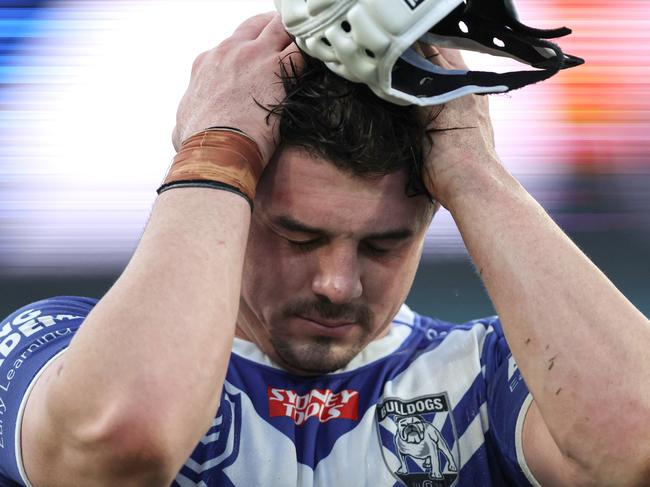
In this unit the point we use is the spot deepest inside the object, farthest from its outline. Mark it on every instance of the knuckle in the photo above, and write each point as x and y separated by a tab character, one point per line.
227	43
227	47
198	61
256	20
264	17
249	48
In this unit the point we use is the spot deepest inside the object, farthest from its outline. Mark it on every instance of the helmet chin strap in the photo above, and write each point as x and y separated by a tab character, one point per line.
504	13
488	26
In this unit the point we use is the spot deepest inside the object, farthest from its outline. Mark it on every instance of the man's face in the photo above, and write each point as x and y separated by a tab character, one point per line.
330	259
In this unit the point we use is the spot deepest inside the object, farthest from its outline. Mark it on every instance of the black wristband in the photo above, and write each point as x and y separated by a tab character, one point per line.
225	127
204	183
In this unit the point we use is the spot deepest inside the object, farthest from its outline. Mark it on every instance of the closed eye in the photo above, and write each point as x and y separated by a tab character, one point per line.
374	249
305	245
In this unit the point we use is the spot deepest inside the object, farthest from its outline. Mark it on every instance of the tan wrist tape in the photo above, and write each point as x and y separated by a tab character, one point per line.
221	155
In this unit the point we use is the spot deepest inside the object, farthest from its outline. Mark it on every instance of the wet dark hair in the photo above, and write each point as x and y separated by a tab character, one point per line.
350	126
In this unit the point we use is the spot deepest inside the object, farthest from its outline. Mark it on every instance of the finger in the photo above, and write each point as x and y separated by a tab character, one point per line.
431	53
293	59
444	57
293	52
427	50
454	57
251	28
274	34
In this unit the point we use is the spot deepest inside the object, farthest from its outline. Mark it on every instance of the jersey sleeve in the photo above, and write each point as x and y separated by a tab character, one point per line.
30	338
508	400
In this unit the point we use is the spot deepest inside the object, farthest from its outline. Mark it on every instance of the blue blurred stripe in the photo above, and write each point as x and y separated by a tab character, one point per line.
18	21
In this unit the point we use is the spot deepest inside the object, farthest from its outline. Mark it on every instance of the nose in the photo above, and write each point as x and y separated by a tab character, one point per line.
338	277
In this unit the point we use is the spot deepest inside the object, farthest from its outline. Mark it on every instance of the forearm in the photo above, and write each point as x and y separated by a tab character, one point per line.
581	345
154	351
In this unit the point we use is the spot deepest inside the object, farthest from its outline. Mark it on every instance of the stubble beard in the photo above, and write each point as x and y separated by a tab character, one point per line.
321	354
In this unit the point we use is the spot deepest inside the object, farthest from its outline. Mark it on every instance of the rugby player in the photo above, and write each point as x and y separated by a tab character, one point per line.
272	347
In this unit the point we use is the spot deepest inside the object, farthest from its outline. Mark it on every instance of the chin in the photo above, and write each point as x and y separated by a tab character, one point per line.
317	356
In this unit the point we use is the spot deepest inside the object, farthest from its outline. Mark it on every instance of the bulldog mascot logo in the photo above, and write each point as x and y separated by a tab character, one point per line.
416	436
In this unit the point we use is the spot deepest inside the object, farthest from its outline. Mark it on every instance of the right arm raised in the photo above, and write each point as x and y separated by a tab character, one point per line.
141	380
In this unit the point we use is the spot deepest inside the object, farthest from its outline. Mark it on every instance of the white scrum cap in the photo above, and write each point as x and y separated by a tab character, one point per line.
370	41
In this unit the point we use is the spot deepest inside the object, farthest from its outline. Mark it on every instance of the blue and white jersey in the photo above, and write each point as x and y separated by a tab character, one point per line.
430	404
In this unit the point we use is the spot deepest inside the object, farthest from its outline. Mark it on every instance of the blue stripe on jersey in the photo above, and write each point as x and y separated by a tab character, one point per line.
469	406
8	483
478	471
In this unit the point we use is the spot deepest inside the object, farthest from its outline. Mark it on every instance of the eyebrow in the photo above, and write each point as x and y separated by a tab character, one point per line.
292	225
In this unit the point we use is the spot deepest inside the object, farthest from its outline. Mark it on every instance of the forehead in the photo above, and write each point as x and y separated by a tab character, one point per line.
314	191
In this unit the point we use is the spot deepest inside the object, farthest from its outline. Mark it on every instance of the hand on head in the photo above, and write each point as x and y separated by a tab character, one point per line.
462	132
228	84
228	80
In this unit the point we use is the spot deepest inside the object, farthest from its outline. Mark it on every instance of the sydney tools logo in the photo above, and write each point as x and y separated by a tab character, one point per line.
323	404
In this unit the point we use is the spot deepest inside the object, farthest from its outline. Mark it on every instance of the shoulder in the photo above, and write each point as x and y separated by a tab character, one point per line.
30	338
443	351
476	342
435	330
41	319
57	308
39	329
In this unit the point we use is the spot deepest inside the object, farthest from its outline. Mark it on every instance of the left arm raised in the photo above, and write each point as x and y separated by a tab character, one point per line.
582	347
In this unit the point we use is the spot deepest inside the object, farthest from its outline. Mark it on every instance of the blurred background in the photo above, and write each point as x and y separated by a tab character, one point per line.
88	94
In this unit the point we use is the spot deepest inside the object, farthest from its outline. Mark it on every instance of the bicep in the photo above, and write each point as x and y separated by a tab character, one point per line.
543	457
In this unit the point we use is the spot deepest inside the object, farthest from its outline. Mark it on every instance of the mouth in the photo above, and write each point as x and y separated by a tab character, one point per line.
327	323
323	327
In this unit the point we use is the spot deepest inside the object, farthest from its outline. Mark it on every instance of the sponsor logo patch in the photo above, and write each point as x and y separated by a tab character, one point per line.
322	404
419	440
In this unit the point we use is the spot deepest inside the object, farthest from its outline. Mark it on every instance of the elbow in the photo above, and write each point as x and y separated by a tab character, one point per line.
619	454
620	474
127	450
127	438
139	453
638	475
633	472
